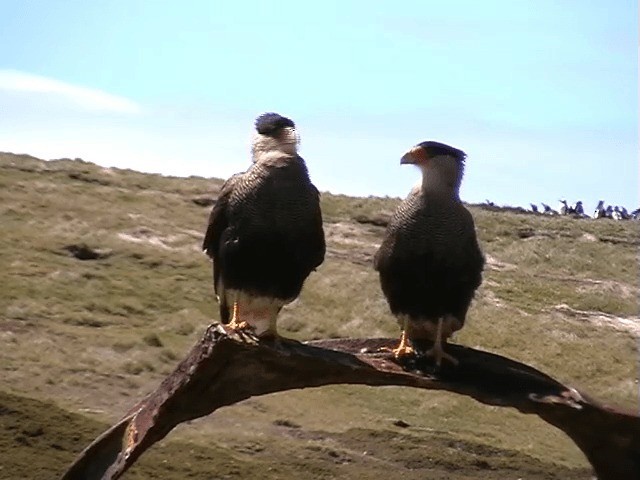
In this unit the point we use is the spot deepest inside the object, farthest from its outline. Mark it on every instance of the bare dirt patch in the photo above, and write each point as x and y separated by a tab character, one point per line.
494	264
624	324
179	241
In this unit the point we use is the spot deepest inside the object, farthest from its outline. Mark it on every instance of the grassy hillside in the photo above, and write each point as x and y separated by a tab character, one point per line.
92	336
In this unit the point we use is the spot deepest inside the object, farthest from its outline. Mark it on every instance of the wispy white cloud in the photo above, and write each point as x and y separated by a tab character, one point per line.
87	98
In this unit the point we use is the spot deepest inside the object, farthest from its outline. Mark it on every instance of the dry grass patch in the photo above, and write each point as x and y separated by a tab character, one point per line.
96	335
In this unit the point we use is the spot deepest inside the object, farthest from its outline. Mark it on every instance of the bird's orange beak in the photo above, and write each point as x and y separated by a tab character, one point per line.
415	156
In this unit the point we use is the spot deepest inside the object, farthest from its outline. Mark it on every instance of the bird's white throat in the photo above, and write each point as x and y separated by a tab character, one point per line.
435	181
286	143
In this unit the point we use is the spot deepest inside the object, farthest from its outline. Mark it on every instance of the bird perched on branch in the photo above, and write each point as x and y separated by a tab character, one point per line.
265	232
430	263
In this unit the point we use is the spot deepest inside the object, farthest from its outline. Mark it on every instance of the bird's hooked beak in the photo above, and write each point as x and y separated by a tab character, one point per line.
414	156
407	159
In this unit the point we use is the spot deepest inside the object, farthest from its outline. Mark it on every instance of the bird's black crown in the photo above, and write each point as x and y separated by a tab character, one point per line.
271	123
433	149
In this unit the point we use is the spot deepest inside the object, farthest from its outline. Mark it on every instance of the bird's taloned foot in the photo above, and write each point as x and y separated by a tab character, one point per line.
438	353
239	326
446	326
399	352
402	351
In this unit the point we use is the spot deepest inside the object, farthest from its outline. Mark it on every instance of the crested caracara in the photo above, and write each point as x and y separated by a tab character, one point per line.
265	232
430	263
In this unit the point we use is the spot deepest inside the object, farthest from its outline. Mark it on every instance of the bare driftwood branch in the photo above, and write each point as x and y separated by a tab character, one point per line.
224	368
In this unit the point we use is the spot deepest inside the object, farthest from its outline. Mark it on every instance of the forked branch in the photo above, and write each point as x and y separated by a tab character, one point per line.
224	368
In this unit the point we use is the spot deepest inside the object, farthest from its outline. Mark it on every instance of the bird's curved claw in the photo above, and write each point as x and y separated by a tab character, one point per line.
239	326
242	329
400	352
438	353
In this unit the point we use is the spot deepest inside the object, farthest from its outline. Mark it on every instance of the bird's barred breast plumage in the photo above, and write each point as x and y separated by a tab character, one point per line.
265	232
430	263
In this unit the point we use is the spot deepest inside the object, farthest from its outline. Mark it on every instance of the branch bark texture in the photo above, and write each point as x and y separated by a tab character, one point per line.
224	368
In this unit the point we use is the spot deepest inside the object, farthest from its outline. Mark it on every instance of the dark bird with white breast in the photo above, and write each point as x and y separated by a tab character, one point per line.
430	262
265	232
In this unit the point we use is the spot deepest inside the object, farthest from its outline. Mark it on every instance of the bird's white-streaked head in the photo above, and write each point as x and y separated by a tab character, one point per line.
442	165
275	134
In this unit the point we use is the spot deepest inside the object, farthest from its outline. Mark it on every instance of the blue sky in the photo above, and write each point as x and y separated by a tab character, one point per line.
543	96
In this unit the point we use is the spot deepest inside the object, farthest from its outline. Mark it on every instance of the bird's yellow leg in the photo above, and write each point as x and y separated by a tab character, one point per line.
437	351
236	323
404	349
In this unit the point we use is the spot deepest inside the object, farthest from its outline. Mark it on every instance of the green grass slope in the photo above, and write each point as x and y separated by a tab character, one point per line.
92	337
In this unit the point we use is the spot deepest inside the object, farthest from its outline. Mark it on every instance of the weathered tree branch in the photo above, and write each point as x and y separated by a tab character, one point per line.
224	368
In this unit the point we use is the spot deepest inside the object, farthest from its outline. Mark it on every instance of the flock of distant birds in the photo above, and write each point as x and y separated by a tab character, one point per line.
577	210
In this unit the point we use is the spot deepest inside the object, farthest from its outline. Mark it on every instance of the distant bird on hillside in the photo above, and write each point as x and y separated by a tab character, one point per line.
608	212
265	232
635	215
599	212
624	213
548	210
430	263
578	209
564	208
616	214
534	207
